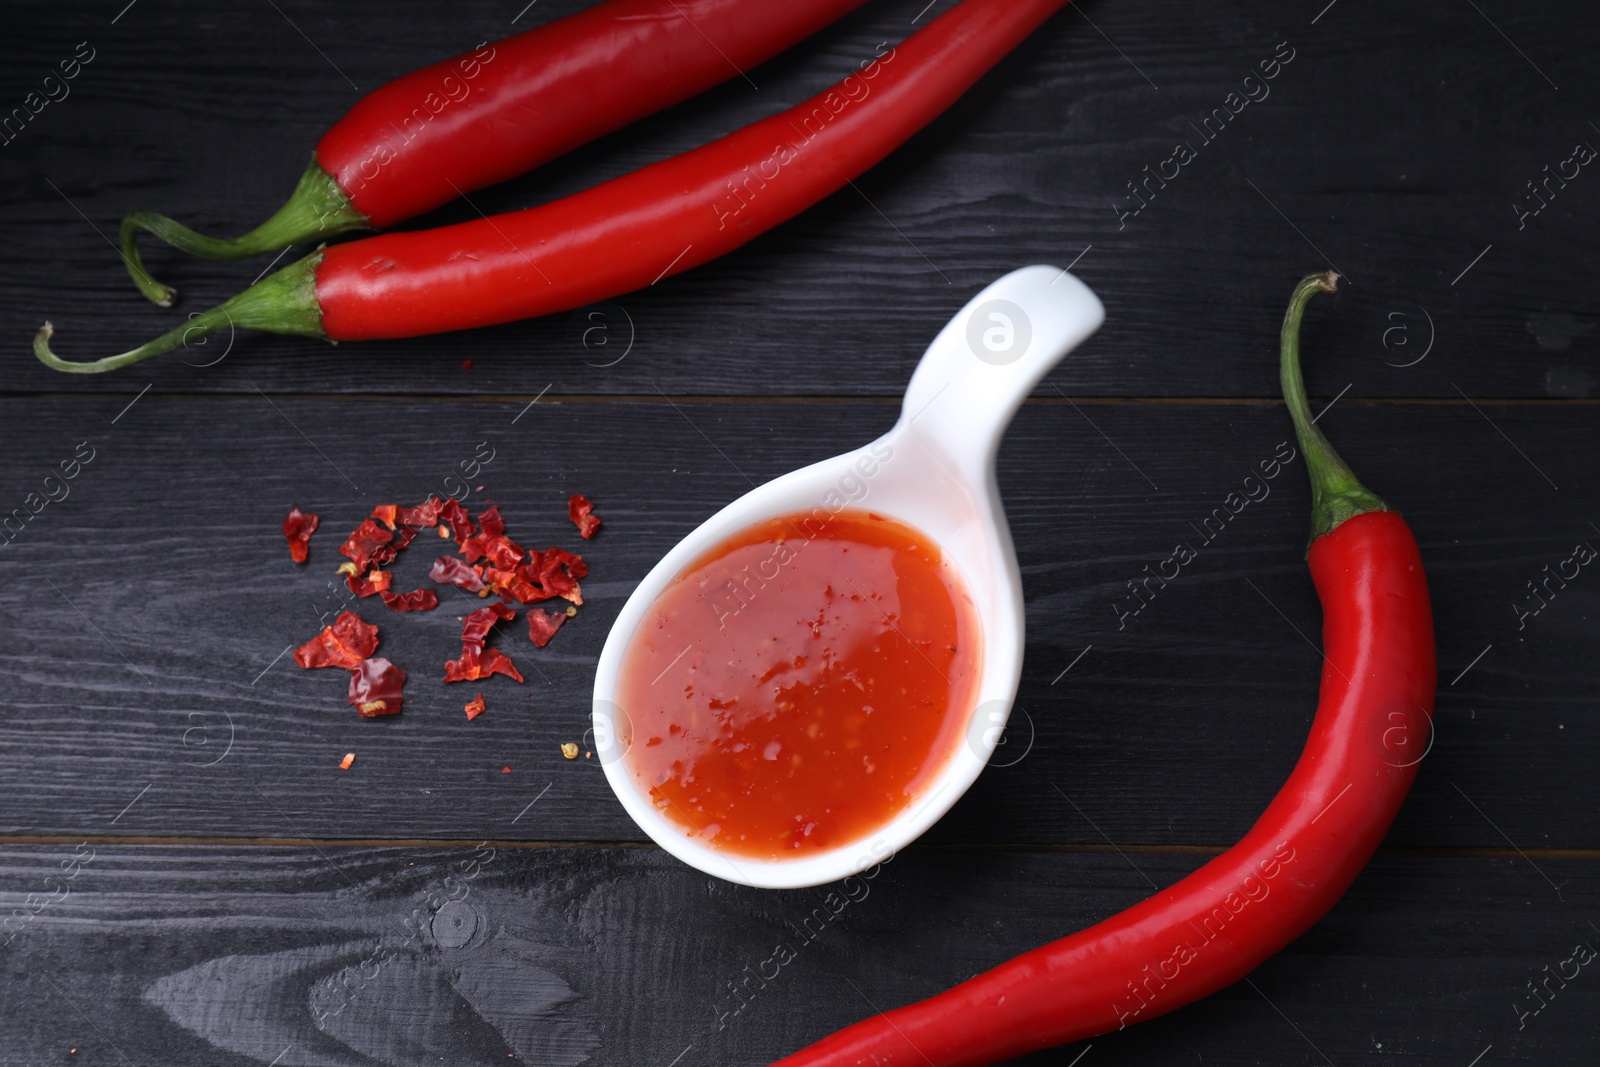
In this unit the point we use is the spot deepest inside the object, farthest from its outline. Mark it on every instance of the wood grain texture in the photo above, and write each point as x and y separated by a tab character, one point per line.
238	899
407	957
1393	146
147	613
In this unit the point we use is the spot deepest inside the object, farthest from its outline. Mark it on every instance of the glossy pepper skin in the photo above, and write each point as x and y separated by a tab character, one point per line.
1293	865
660	220
627	233
506	107
1215	926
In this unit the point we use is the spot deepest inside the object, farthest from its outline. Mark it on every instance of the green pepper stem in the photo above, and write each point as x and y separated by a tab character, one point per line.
1336	494
282	302
317	209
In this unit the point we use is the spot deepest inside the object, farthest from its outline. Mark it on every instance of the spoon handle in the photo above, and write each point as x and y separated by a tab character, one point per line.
989	357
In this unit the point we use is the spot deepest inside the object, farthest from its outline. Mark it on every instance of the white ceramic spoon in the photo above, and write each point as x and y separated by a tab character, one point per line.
939	478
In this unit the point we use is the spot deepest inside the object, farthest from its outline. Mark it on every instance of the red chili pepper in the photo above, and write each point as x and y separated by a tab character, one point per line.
1215	926
627	233
475	707
298	528
502	109
582	514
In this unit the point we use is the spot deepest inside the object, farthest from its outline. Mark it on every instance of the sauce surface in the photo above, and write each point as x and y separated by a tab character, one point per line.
801	683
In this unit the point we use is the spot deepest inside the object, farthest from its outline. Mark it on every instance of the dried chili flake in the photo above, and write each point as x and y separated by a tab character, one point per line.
298	528
582	514
475	707
376	582
513	584
506	769
542	626
416	600
344	644
349	758
375	687
491	541
363	541
424	514
386	554
385	513
503	552
483	663
475	627
452	514
477	662
573	562
558	573
447	570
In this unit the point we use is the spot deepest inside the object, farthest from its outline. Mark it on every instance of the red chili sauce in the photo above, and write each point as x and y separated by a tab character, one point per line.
800	684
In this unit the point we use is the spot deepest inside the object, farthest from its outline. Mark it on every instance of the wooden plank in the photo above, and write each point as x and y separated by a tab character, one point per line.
145	618
402	957
211	116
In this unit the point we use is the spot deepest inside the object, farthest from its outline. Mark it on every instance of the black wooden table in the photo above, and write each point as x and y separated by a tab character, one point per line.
186	875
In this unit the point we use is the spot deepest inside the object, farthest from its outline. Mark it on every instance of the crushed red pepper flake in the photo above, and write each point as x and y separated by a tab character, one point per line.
375	687
542	626
344	644
452	514
447	570
498	549
476	626
416	600
349	758
558	573
363	541
506	568
387	553
581	511
298	528
424	514
375	582
477	662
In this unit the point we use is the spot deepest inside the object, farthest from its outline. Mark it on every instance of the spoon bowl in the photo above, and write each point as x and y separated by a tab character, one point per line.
933	471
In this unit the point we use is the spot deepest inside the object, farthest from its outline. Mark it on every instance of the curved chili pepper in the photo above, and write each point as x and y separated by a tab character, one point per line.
500	110
627	233
1218	924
